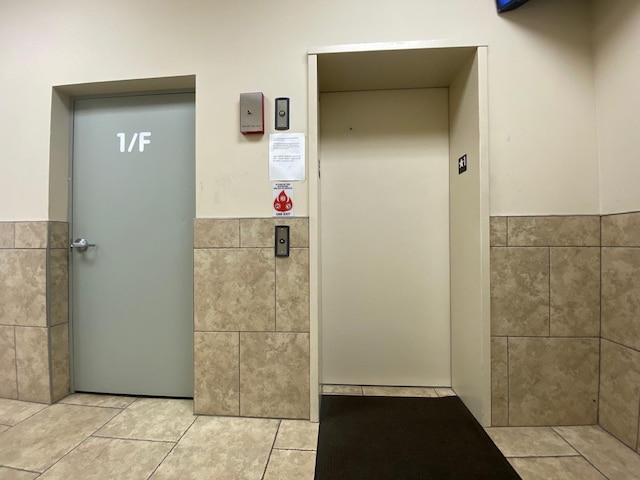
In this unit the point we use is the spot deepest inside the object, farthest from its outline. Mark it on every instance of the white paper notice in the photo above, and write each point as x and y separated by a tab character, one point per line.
286	156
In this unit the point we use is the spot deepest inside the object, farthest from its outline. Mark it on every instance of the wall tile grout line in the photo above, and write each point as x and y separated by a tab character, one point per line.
549	291
615	342
508	384
15	360
239	374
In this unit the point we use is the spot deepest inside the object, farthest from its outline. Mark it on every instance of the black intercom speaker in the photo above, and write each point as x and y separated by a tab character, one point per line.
282	241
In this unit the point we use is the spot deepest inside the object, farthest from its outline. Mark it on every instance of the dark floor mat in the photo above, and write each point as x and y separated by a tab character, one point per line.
380	438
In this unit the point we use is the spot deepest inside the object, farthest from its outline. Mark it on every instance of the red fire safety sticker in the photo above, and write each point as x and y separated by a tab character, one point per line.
283	199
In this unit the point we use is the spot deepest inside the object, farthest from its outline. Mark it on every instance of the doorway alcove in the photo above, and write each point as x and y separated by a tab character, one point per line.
462	69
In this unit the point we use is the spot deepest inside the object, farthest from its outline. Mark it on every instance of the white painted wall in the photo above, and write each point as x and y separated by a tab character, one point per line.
469	231
541	90
616	41
385	237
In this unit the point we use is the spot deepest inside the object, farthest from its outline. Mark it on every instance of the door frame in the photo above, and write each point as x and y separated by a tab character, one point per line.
471	374
61	146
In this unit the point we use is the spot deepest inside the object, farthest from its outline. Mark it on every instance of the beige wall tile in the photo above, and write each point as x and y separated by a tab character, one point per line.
620	295
13	474
7	234
620	392
259	232
292	291
274	375
621	230
561	231
60	361
519	291
553	381
23	287
498	229
575	291
499	382
216	373
59	235
31	234
8	379
216	232
32	360
58	286
234	289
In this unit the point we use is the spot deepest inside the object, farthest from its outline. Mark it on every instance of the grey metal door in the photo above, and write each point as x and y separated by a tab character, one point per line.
134	198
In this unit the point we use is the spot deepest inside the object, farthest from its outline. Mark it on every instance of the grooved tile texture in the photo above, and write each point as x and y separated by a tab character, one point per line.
234	290
620	392
274	375
621	295
23	287
575	291
8	379
519	291
621	230
553	381
32	361
7	234
561	231
217	375
499	382
292	291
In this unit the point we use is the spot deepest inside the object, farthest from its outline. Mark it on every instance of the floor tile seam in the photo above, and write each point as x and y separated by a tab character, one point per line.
577	455
252	331
23	470
583	454
133	439
271	449
92	406
174	447
296	449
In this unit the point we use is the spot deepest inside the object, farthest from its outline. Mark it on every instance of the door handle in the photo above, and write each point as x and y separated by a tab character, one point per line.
81	244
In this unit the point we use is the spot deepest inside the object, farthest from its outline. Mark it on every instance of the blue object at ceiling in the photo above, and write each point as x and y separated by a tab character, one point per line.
506	5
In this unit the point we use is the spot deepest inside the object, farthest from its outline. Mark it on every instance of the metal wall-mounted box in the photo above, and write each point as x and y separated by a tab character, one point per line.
282	113
252	112
282	240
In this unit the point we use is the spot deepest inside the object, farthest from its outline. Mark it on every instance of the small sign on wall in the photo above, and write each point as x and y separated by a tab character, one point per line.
283	199
462	164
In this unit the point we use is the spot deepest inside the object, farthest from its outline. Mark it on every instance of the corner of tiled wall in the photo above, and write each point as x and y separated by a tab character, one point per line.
251	319
545	320
27	342
620	351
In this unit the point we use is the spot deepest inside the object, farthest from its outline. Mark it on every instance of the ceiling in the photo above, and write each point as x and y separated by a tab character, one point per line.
391	69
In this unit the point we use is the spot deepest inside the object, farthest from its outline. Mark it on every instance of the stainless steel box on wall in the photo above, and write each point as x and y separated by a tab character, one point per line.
252	112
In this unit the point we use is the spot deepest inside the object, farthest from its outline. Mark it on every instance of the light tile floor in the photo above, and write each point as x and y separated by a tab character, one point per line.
112	437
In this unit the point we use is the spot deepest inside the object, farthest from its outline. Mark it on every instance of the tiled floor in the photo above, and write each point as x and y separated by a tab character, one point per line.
106	437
